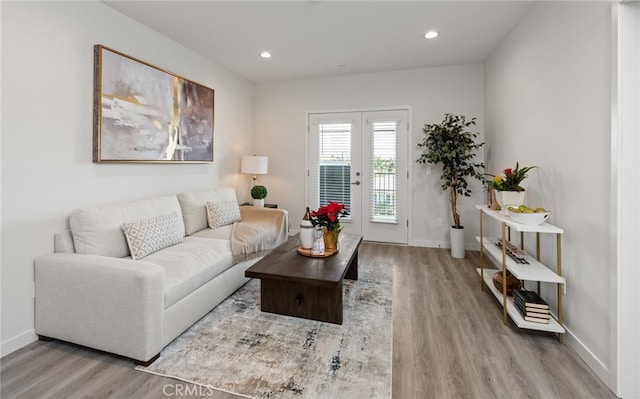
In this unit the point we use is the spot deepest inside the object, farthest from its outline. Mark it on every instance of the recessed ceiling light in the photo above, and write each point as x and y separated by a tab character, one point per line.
265	54
432	34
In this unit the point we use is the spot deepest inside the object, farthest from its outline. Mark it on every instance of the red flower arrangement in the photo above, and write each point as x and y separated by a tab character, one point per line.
329	216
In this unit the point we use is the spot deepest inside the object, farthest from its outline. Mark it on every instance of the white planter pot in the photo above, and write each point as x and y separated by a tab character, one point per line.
509	198
258	203
457	242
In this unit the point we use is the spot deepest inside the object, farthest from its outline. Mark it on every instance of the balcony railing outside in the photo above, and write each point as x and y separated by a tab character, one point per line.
383	198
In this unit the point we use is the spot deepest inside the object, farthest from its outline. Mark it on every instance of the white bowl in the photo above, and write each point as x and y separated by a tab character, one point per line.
531	219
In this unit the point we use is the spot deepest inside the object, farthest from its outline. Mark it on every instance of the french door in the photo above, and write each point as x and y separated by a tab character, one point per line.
360	159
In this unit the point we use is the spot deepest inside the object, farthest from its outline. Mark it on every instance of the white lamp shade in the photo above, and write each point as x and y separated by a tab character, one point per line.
254	165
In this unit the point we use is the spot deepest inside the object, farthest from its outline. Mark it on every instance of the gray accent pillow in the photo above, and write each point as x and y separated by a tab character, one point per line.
151	235
222	213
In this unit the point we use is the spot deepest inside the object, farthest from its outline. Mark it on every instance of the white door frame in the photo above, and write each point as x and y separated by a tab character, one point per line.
406	153
625	218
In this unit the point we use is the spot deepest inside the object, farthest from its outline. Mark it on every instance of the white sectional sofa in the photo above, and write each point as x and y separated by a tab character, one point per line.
132	294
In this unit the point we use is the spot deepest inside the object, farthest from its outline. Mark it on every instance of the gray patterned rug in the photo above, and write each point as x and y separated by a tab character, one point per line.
238	349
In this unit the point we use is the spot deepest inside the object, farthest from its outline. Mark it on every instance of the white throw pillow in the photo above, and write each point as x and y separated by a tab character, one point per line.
194	206
151	235
222	213
97	230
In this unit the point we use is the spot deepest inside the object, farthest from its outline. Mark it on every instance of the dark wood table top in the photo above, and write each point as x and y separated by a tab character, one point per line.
284	263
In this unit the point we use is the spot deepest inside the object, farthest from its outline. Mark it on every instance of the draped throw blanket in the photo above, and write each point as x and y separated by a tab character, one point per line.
260	230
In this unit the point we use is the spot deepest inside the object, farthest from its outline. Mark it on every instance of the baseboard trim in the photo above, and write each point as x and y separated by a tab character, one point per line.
430	244
595	364
469	246
16	342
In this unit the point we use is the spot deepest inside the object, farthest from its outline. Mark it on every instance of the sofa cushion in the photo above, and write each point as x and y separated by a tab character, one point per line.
191	264
151	235
193	204
222	213
221	233
98	230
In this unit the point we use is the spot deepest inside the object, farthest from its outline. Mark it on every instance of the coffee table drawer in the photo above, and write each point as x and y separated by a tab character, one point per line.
300	300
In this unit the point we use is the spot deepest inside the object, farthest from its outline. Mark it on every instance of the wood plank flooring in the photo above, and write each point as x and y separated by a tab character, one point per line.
448	342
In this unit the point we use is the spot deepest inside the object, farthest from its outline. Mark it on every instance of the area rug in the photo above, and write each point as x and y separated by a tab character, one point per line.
238	349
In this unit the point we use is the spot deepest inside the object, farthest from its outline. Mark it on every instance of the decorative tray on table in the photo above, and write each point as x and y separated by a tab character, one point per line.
307	252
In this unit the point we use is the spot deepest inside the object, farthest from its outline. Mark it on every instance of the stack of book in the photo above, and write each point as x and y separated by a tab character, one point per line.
531	306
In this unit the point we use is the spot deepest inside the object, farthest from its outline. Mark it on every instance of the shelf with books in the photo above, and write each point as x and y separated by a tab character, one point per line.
532	270
513	311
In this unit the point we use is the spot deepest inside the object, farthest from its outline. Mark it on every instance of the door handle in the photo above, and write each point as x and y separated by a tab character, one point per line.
357	182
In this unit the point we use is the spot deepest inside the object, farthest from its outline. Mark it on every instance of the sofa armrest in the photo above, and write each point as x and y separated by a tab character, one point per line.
261	229
111	304
278	217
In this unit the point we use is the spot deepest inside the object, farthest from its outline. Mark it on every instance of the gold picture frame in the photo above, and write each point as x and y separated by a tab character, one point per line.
142	113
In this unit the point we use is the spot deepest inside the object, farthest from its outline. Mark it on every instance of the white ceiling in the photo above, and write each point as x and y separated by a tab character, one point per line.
327	38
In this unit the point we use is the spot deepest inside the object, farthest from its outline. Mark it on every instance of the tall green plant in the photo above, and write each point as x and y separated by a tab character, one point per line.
451	144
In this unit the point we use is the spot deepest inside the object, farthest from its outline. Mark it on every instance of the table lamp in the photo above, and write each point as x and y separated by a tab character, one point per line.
254	165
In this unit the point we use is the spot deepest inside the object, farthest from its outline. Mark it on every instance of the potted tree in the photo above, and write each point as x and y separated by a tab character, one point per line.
258	193
451	144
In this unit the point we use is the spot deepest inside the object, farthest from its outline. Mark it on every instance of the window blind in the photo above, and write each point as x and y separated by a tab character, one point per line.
334	163
383	172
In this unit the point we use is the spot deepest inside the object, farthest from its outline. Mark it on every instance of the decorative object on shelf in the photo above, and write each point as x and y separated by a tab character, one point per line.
528	216
531	299
508	188
511	179
328	218
258	193
494	206
452	145
514	252
306	231
509	198
142	113
531	306
512	282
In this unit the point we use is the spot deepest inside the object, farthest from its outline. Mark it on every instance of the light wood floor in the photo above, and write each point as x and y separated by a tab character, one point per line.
448	342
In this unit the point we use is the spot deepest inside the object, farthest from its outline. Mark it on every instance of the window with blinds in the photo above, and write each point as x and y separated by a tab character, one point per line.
383	172
334	162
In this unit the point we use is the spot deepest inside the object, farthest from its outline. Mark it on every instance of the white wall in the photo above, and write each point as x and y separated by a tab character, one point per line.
548	104
47	169
280	126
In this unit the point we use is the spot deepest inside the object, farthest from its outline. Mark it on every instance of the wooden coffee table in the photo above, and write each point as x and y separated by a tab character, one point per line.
296	285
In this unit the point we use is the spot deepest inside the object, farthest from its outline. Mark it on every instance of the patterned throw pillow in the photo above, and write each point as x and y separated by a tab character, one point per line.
222	213
148	236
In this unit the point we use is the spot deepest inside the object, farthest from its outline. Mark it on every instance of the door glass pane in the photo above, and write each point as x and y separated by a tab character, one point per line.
383	172
334	162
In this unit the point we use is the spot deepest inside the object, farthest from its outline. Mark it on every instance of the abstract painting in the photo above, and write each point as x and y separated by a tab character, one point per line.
146	114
